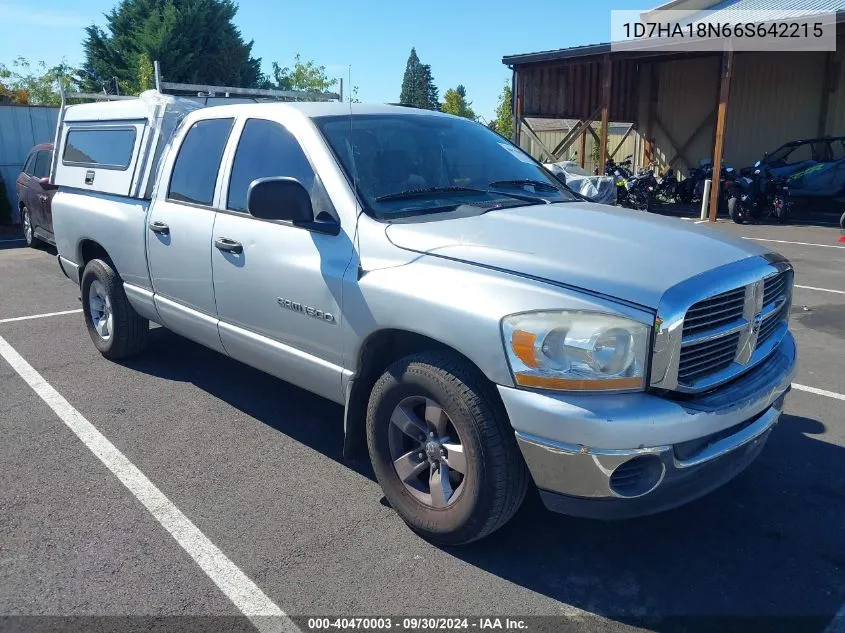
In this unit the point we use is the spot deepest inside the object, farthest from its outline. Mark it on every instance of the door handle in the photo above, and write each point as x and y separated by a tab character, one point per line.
159	227
230	246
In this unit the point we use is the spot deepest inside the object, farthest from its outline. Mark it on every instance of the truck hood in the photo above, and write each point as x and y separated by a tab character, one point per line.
629	255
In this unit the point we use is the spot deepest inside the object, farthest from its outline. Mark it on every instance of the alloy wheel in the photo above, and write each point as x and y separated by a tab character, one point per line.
427	452
27	226
100	308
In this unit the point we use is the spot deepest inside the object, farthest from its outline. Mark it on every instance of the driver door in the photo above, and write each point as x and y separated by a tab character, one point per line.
278	286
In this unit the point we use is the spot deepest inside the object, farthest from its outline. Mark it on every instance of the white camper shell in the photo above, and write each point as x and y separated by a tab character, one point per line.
113	147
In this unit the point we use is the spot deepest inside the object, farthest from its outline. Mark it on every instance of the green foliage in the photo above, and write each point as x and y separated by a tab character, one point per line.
353	95
503	123
305	77
195	41
455	102
146	73
418	88
24	83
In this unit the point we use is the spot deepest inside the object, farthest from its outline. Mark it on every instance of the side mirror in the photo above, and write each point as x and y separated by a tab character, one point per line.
279	199
46	185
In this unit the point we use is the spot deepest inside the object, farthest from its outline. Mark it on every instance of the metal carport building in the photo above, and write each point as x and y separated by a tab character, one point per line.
673	98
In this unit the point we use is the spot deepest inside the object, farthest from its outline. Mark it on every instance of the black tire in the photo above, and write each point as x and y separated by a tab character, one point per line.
28	228
128	335
496	480
736	211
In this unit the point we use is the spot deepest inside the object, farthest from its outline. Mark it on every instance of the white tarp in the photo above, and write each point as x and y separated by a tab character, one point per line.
601	189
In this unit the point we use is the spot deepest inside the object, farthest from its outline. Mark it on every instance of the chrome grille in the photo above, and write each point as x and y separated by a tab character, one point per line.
719	332
715	311
776	295
717	325
708	357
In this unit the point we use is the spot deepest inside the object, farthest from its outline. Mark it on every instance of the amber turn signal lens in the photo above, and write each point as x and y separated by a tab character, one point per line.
522	344
568	384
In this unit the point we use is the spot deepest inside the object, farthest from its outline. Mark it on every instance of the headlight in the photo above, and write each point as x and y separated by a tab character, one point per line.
576	351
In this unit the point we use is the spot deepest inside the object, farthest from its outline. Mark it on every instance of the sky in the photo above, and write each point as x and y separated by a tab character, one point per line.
462	40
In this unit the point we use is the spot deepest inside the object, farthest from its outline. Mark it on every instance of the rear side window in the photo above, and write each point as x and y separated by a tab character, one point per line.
195	170
266	149
102	147
42	164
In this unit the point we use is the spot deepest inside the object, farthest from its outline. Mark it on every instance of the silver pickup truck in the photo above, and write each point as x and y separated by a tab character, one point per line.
485	328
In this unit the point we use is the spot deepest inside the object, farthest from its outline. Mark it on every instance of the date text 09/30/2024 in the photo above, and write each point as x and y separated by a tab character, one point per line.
417	624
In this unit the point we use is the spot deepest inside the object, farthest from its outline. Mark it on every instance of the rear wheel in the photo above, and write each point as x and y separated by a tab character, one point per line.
114	326
443	450
736	211
28	229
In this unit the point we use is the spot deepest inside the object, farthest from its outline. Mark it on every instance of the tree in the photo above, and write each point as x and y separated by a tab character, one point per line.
36	85
196	41
503	123
305	77
418	88
455	102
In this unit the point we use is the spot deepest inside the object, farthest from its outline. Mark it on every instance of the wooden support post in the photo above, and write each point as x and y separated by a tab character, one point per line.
721	120
605	111
582	149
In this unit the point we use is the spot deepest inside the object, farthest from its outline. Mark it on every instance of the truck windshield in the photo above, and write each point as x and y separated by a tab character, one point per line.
417	164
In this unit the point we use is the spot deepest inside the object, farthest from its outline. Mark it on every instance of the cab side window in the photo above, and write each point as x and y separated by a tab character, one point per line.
267	149
195	170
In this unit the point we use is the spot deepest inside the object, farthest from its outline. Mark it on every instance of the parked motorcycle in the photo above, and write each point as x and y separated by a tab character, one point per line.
666	189
758	196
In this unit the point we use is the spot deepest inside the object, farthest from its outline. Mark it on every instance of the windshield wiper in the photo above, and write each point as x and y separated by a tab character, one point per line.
538	184
425	192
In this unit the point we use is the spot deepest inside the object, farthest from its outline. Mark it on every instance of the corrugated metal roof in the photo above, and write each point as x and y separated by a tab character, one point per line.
750	10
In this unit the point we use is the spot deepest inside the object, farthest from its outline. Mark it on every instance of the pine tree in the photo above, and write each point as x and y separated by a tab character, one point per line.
418	88
432	95
196	41
411	81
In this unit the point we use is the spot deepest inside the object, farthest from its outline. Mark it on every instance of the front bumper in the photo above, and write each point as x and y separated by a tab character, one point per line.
625	455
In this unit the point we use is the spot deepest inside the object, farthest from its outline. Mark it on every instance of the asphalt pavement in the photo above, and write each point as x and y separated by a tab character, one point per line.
255	464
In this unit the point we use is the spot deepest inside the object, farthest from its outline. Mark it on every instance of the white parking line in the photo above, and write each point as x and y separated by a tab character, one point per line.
40	316
761	239
839	292
245	594
819	392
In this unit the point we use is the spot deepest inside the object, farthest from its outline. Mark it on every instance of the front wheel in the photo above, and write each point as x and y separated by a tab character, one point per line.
443	450
114	326
736	211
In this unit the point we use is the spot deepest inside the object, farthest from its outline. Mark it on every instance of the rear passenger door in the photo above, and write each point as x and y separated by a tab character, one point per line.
179	229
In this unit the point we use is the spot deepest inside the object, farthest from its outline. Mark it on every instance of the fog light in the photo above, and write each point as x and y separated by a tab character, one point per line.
637	476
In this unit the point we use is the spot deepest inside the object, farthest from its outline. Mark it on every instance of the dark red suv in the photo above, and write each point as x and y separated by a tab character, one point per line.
35	194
